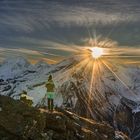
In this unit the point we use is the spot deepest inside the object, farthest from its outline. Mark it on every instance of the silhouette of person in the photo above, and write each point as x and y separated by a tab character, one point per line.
50	92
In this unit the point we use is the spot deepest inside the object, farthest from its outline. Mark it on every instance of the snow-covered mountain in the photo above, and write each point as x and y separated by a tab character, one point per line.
110	92
13	67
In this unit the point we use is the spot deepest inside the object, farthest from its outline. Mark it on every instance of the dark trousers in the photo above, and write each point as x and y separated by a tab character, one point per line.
50	104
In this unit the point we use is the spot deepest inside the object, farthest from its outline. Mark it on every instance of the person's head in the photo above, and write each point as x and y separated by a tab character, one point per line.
50	77
24	92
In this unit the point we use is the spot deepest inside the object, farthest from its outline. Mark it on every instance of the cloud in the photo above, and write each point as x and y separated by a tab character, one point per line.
39	28
43	45
38	15
32	55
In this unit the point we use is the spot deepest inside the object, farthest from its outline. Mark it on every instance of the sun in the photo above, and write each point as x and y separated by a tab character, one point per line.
97	52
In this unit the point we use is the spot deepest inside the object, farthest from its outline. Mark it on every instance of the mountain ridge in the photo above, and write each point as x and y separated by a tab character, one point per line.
73	90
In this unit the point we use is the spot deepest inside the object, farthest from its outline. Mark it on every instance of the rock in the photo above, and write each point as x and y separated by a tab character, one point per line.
120	136
127	120
19	121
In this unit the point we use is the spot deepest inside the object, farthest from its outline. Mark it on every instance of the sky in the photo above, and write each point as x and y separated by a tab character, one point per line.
52	30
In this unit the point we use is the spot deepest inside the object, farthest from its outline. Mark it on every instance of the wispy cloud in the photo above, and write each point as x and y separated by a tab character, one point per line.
39	28
32	55
28	16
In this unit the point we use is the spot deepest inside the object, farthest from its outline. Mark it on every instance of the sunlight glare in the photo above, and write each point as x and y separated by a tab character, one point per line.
97	52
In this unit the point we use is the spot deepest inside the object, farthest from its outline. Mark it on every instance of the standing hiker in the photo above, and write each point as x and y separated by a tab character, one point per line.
50	92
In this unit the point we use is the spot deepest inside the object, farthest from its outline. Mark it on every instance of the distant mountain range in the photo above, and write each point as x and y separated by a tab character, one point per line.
113	98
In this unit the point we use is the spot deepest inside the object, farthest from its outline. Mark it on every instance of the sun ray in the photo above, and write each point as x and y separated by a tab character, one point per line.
95	38
128	56
87	68
89	99
92	76
90	34
94	68
98	78
82	63
118	78
98	73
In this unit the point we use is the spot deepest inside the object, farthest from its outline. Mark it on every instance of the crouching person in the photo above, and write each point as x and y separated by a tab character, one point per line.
26	99
50	93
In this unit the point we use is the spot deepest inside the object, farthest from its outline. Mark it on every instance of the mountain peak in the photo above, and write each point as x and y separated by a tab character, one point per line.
13	66
16	60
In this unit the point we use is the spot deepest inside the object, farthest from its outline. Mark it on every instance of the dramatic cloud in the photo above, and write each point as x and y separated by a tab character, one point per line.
61	26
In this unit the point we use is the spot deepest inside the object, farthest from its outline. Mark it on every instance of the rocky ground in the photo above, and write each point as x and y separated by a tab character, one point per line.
18	121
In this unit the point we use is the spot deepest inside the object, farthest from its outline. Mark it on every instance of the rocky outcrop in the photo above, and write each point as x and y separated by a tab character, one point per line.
127	118
19	121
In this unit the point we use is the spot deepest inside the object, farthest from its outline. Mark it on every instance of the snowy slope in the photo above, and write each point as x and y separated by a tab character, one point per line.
110	91
13	67
18	74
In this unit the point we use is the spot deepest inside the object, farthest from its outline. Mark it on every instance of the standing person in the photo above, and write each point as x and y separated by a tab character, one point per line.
50	92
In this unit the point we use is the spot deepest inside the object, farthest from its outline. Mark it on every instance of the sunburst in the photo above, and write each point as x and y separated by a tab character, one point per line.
97	52
99	56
